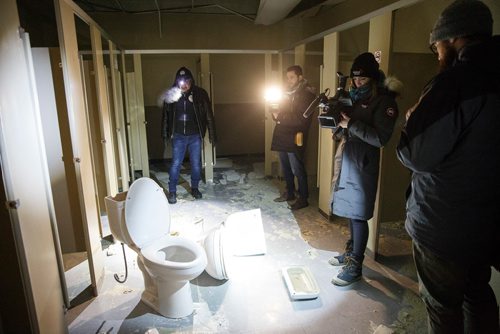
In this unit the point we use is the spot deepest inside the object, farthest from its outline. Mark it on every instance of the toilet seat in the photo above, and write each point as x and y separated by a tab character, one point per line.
147	212
218	254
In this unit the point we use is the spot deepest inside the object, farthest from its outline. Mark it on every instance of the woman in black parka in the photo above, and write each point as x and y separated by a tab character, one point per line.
363	130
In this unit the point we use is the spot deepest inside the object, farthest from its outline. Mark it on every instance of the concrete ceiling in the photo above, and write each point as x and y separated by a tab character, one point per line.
264	12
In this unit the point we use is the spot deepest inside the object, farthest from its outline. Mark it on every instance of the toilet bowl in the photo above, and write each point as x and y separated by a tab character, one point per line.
241	234
141	219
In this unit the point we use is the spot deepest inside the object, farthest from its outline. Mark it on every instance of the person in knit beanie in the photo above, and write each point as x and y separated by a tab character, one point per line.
450	144
456	24
364	128
366	66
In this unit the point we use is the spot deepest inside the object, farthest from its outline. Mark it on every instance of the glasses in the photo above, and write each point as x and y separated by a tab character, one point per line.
434	49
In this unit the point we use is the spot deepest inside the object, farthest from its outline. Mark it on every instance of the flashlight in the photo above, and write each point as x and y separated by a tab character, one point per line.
181	83
273	94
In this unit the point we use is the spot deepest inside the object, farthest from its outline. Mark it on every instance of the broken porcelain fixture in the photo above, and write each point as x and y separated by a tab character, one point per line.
247	233
300	282
242	234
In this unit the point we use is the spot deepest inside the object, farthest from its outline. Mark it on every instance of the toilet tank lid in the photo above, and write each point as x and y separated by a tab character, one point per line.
147	212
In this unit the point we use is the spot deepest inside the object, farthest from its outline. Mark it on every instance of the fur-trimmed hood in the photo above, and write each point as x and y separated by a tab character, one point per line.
393	85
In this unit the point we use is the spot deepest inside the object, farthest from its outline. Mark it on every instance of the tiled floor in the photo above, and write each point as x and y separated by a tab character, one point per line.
255	298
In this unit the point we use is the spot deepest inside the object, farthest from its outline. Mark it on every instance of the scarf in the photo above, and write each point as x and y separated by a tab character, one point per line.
360	93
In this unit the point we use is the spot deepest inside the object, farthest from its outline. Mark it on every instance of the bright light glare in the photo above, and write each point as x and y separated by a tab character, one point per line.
273	94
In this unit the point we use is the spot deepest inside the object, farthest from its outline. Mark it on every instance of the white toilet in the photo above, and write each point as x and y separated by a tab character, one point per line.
141	220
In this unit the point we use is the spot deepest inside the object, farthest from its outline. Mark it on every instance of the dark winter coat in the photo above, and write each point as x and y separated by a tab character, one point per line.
370	128
451	143
290	120
203	114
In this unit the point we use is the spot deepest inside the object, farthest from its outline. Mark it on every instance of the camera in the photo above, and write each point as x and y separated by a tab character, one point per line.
331	107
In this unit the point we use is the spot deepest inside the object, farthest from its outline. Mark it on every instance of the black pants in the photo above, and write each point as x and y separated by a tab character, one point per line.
457	294
359	236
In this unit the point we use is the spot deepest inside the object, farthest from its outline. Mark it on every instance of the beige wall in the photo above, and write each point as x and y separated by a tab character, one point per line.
238	78
413	24
187	32
158	71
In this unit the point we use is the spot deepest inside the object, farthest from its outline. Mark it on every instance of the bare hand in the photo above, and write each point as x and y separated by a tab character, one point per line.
344	121
412	109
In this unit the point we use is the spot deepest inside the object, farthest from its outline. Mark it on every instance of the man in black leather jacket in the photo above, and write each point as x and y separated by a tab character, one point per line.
187	113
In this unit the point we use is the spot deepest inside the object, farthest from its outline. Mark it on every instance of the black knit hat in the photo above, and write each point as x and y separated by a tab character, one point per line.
365	65
463	18
183	73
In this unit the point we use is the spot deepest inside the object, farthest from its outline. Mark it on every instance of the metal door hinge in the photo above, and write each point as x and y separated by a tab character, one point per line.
13	204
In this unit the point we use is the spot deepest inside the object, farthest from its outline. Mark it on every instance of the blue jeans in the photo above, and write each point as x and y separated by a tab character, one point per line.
179	145
293	167
457	294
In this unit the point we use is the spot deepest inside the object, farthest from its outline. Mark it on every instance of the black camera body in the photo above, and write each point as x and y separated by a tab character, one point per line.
331	107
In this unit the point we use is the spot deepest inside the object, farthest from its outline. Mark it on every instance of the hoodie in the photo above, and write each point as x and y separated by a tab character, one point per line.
189	112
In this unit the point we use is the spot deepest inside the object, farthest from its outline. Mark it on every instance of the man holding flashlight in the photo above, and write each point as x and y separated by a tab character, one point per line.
290	133
187	113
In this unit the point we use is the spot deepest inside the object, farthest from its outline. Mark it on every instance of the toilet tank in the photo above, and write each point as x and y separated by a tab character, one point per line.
115	207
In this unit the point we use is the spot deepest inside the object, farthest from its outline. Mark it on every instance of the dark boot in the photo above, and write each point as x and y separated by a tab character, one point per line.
284	197
350	273
196	193
299	204
341	260
172	197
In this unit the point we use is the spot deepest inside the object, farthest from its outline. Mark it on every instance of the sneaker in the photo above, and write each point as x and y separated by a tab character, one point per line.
341	260
299	204
284	197
196	193
350	273
172	197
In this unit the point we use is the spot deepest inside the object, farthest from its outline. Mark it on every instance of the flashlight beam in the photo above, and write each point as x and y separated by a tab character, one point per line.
273	94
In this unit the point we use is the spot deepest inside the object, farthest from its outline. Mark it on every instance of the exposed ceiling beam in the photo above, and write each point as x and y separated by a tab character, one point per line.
272	11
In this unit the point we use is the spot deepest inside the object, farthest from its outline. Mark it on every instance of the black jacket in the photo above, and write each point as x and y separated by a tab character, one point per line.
451	143
203	113
370	128
290	120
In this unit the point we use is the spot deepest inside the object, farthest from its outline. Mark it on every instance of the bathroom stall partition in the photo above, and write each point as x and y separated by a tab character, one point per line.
32	298
115	77
136	117
92	124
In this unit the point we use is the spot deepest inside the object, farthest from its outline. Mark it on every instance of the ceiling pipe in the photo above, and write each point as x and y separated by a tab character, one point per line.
159	17
272	11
